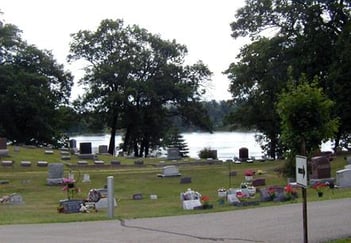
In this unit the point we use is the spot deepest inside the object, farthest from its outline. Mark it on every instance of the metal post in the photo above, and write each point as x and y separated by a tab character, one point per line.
304	214
110	197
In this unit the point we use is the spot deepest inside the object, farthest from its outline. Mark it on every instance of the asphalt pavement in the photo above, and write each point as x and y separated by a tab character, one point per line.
327	220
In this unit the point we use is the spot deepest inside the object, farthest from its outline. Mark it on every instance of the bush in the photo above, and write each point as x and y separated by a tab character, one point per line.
208	153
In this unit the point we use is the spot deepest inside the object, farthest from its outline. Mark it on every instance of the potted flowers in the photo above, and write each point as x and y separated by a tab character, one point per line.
205	200
249	175
318	186
289	192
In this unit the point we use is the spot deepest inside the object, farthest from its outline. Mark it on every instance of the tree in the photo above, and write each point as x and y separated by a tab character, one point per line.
306	118
255	82
308	36
133	80
33	87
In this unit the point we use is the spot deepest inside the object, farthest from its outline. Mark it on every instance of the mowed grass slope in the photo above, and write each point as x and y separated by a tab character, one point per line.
41	201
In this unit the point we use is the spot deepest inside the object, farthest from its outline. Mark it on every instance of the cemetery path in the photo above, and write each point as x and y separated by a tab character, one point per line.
327	220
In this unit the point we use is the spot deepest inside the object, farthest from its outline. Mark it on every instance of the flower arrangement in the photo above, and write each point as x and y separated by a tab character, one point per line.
289	192
70	187
205	200
271	192
249	173
318	186
241	195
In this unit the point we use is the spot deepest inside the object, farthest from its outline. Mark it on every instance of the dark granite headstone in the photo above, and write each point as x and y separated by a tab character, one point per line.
73	143
3	143
115	162
71	206
320	167
137	196
243	154
185	180
85	148
259	182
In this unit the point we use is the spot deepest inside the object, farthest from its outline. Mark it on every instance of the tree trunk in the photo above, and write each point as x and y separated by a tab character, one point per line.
111	147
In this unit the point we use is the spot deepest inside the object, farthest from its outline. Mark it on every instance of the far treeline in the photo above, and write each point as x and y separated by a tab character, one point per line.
137	83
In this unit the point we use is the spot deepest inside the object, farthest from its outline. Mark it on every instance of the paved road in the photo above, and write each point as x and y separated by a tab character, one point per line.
326	220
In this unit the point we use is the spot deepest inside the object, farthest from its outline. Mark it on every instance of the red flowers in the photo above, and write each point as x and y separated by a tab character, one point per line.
249	173
318	186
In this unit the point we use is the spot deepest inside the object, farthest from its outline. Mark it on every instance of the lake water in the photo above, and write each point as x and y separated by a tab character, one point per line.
227	144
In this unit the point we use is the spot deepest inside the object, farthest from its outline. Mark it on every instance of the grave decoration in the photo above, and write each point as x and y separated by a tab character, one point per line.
13	199
190	199
70	187
319	187
205	201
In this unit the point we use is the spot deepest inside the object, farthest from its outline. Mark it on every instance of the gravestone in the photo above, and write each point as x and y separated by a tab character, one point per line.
86	178
42	163
71	206
26	163
73	143
55	173
348	160
7	163
103	149
3	147
137	196
15	199
115	162
259	182
103	203
85	148
173	154
243	154
185	180
320	167
85	151
190	199
169	171
233	173
343	178
139	162
3	143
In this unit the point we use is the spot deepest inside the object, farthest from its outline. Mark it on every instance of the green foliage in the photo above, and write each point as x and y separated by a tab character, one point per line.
137	82
311	37
207	153
306	119
176	140
33	87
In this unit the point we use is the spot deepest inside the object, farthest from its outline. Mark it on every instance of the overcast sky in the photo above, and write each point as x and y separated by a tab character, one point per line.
201	25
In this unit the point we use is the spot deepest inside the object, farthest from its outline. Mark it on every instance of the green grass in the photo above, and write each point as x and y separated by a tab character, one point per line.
41	201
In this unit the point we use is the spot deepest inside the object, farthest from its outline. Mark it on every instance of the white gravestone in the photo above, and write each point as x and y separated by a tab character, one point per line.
343	178
169	171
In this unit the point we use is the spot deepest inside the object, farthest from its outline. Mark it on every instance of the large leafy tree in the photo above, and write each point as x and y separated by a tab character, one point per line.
306	117
310	37
134	78
33	87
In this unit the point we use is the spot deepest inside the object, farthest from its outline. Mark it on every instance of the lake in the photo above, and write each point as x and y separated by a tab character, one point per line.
227	144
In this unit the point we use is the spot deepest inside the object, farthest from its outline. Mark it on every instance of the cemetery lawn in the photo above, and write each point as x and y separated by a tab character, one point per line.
40	201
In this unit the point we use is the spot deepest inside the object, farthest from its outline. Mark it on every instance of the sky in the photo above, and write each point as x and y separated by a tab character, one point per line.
203	26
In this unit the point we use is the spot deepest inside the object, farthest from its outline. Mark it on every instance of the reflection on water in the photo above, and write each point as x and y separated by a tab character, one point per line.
227	144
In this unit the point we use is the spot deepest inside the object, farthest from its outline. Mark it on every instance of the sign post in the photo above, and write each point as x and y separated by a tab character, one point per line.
301	179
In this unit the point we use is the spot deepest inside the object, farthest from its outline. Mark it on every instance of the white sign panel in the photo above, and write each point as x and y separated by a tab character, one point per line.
301	170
